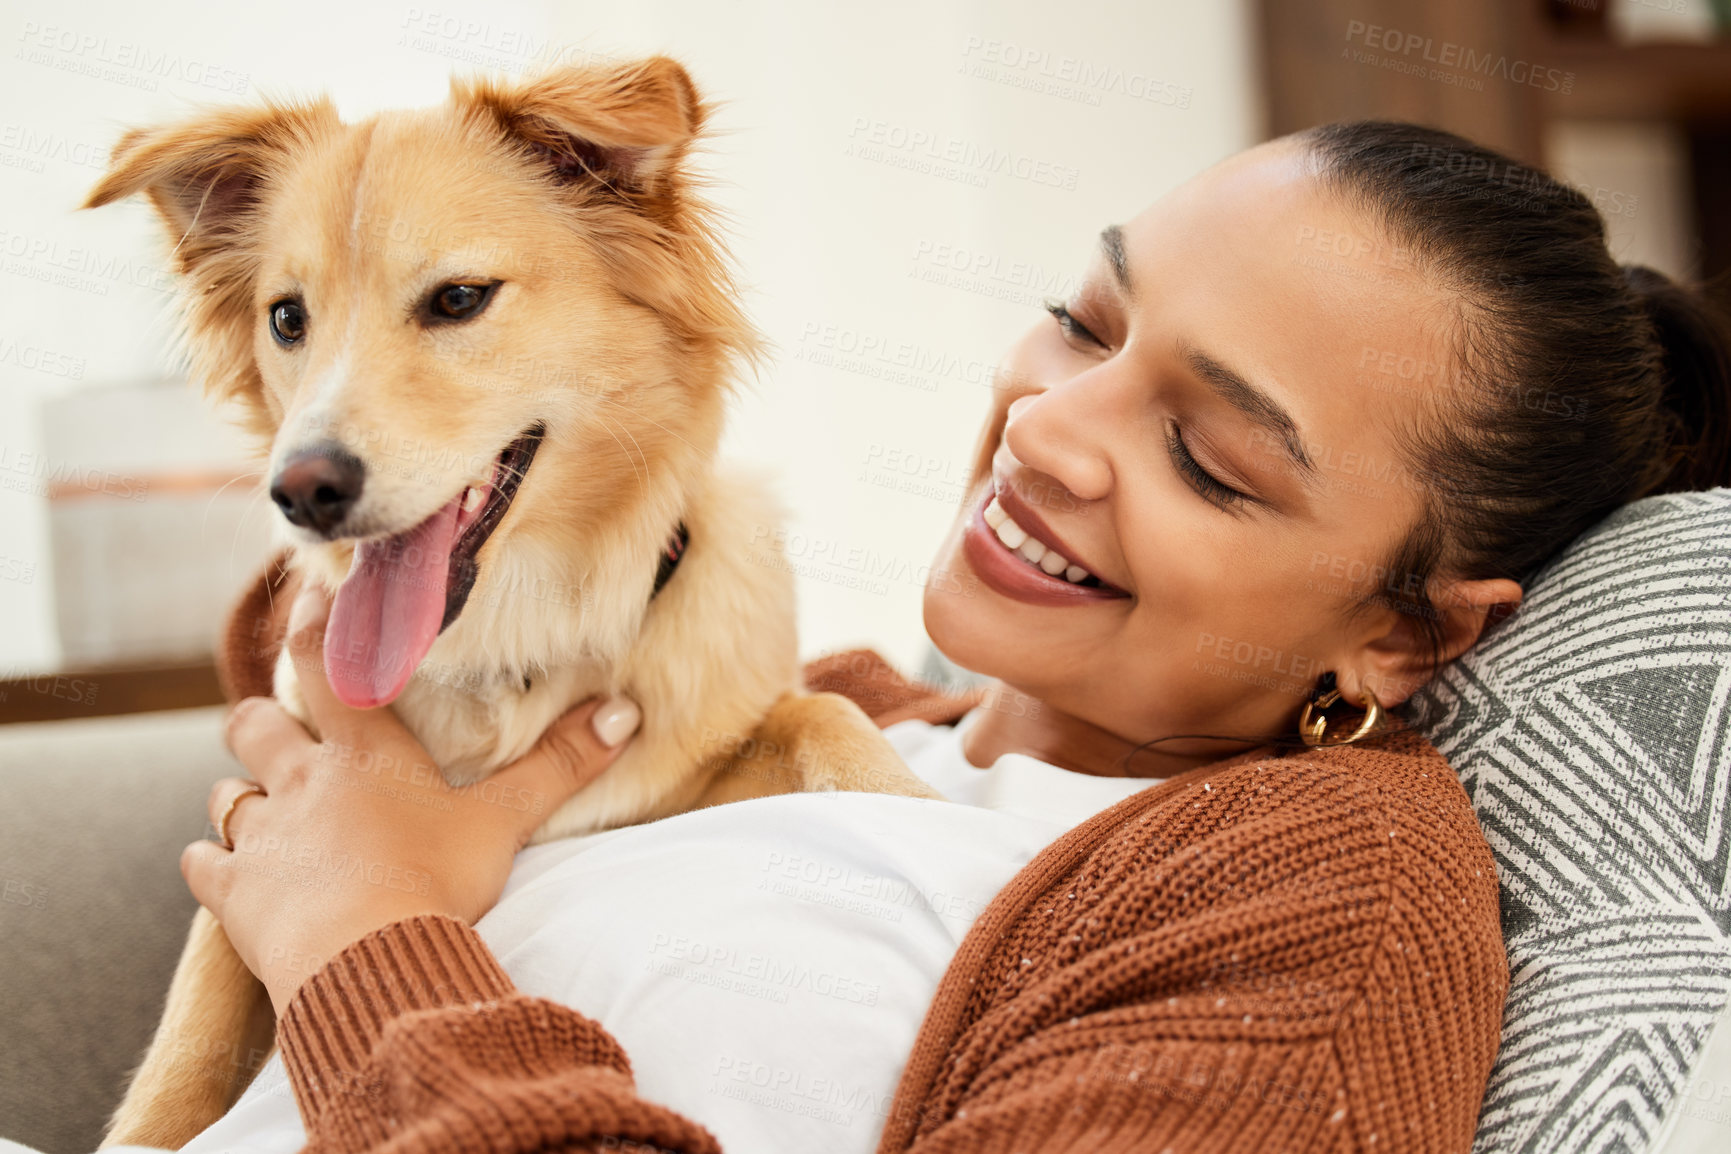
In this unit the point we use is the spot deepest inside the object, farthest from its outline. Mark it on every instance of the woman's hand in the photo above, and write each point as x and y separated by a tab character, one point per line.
360	830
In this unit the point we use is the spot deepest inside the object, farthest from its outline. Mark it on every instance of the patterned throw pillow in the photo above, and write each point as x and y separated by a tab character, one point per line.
1593	732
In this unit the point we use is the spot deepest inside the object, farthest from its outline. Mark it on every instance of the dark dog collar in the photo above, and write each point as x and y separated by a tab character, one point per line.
671	555
670	558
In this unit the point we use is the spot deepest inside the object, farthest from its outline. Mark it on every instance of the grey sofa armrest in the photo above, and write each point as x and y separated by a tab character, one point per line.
93	911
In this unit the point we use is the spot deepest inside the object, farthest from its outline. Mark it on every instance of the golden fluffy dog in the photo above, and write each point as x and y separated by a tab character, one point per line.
488	348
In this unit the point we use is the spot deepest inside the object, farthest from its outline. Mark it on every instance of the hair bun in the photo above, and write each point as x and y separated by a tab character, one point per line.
1695	368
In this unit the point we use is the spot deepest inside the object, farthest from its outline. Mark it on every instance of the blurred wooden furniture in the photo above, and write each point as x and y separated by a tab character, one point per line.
104	692
1499	71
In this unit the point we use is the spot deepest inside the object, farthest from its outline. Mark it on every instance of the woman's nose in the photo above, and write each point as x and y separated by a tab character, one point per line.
1056	433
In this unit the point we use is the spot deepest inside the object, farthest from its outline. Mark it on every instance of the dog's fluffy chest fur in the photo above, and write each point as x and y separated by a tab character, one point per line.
707	658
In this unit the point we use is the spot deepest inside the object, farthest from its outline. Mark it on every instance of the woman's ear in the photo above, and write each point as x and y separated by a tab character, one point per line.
1397	659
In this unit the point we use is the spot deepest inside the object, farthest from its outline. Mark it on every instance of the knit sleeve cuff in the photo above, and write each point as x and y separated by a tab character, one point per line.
335	1019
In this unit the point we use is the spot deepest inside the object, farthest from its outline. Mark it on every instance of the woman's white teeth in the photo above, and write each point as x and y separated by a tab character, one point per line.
472	500
1017	539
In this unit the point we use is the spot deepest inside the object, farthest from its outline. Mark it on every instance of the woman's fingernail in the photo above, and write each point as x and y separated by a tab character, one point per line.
616	719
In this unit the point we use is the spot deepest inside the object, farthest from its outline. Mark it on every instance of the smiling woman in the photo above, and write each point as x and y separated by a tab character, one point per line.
1180	904
1163	434
1194	429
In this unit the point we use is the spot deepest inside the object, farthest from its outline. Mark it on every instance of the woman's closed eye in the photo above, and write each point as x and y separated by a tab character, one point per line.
1213	490
1071	327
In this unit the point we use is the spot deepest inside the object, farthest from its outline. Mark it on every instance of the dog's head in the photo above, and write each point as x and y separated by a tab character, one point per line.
486	343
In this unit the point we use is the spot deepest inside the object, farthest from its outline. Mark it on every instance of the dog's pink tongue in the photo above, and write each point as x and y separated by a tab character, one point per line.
388	611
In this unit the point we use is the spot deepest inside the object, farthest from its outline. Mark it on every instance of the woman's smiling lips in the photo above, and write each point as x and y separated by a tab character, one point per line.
1015	553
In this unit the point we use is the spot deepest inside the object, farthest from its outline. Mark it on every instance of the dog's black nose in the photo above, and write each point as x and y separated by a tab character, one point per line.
317	487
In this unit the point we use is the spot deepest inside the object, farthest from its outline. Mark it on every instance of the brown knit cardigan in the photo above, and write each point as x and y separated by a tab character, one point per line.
1295	952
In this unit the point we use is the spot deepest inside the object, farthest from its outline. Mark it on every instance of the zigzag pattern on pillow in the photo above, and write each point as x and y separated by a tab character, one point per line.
1593	733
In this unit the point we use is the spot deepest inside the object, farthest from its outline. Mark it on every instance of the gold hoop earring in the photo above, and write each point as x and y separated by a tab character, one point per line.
1314	730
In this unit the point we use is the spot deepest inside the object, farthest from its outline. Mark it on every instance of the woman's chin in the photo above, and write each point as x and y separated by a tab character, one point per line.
969	624
944	603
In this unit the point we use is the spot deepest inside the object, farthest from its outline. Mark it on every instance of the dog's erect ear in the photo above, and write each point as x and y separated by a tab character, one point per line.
204	175
627	125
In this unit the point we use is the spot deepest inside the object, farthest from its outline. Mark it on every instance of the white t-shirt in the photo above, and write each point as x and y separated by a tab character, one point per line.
766	964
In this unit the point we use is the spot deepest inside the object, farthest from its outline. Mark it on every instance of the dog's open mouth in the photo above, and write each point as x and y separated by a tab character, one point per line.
402	591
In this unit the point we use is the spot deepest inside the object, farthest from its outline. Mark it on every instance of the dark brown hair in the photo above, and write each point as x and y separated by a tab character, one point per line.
1583	384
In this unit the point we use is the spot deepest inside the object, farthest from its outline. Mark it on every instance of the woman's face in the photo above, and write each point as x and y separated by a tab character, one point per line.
1209	427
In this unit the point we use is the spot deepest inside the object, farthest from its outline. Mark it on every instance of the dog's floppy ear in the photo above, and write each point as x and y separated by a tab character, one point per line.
204	175
626	126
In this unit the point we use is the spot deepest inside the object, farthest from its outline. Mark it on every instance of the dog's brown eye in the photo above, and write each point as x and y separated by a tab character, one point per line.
459	302
288	321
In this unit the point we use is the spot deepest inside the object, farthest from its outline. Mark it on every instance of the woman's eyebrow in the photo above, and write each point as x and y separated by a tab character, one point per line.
1112	244
1254	403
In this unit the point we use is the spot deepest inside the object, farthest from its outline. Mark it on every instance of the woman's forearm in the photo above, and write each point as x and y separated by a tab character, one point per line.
414	1036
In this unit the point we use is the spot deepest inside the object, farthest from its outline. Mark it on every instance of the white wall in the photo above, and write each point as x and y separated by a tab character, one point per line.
1637	173
831	156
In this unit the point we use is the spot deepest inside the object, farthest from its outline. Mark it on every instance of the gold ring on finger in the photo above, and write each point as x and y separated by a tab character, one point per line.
252	787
